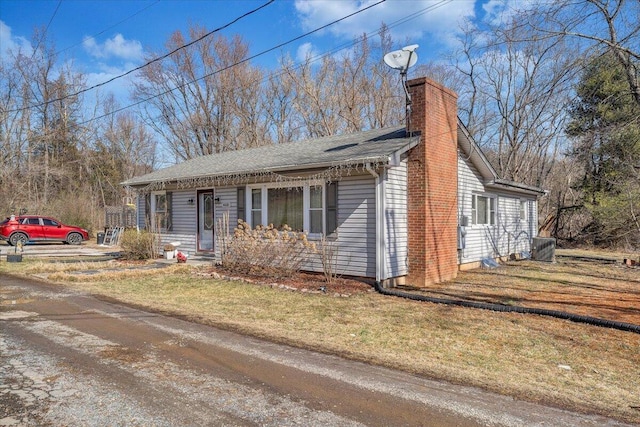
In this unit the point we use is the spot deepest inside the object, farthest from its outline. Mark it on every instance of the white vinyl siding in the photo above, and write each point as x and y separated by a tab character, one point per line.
510	234
478	239
185	225
184	211
184	222
357	226
532	222
355	237
226	202
395	216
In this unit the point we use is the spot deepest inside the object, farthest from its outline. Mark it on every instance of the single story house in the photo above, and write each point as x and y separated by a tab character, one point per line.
407	204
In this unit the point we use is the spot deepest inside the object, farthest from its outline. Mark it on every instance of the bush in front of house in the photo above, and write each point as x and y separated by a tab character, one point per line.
265	251
139	245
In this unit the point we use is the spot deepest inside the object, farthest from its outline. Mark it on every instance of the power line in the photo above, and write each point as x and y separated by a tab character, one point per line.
55	12
160	58
234	64
346	45
110	27
360	39
343	46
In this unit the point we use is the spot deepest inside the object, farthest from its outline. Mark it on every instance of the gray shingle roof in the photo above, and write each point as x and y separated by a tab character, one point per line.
374	145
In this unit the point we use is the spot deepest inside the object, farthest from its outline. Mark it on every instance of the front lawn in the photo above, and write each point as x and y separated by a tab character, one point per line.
537	358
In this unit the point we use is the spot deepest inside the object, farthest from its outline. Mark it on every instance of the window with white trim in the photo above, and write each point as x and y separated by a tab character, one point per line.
310	208
256	206
316	209
523	210
483	210
158	210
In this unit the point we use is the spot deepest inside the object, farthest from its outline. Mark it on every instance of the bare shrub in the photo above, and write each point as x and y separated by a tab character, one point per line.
223	234
328	250
266	251
139	245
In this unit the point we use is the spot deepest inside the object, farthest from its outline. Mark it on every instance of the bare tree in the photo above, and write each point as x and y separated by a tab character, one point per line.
13	135
518	97
279	98
598	26
203	98
316	102
353	85
348	93
386	105
49	112
123	148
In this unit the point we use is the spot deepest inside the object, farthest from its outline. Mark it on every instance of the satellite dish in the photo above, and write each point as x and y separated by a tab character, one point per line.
402	59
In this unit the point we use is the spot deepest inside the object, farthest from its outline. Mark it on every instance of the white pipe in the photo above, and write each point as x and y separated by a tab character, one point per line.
380	265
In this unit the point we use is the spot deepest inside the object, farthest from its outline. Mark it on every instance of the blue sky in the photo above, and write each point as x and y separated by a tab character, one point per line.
104	38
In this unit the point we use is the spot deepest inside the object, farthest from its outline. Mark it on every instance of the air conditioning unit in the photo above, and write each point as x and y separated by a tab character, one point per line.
544	249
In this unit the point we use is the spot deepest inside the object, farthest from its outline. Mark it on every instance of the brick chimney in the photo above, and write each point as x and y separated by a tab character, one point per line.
433	184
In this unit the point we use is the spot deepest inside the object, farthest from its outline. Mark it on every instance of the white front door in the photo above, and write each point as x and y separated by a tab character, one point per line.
206	220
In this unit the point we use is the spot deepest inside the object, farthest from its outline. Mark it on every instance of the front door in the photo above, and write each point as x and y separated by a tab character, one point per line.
206	221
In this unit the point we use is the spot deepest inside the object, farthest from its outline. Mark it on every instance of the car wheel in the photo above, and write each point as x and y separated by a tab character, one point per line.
18	237
74	238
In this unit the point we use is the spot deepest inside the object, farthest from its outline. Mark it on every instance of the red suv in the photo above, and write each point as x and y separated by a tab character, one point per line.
33	228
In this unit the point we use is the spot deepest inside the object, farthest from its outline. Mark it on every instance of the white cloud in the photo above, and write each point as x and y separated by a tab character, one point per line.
305	51
11	43
115	47
408	20
500	11
120	88
92	48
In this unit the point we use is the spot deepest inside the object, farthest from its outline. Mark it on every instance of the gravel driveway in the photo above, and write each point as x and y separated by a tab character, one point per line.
71	359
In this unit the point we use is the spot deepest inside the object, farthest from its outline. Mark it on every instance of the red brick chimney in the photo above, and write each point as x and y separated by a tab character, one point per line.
433	184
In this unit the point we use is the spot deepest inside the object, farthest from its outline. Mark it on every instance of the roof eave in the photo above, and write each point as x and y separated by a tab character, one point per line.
516	186
396	157
475	154
386	159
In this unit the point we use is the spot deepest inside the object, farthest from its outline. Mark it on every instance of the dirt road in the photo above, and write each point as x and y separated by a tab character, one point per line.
67	358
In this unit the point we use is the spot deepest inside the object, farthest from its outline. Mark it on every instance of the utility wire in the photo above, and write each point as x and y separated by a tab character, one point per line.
319	57
55	12
360	39
160	58
111	27
234	64
349	44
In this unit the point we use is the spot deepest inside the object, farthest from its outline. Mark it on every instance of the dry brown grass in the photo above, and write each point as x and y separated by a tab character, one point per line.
582	367
608	291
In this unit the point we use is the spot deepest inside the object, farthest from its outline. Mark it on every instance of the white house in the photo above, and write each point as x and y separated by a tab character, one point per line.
411	204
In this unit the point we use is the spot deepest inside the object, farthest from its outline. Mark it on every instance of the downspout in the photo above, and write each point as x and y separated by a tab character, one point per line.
380	220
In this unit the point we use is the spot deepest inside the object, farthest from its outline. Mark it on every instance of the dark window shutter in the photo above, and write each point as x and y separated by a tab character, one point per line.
241	203
332	208
169	198
147	211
